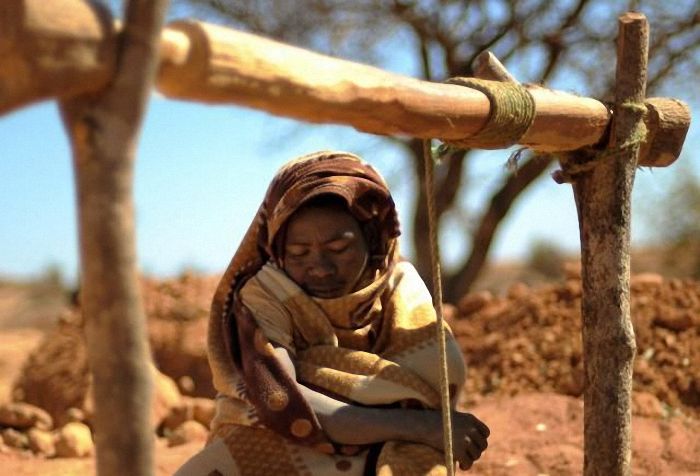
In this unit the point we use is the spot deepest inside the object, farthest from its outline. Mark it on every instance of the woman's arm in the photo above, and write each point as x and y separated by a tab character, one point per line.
358	425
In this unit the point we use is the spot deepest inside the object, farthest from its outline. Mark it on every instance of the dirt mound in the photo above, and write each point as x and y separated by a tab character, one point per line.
530	341
178	313
55	376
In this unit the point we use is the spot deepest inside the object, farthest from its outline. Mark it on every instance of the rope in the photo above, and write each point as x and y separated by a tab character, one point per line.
579	162
511	114
437	302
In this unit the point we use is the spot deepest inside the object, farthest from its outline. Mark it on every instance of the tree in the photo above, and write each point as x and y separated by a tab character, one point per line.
542	41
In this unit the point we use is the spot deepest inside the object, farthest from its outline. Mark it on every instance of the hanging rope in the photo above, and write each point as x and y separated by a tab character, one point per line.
512	113
437	302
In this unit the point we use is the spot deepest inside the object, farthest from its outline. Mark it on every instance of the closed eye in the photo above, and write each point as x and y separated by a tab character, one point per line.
296	251
338	246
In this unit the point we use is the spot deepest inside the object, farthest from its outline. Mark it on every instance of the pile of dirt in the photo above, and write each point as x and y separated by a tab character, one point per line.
529	340
178	314
55	376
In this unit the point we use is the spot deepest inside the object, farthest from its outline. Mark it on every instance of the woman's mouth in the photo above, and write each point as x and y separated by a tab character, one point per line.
325	290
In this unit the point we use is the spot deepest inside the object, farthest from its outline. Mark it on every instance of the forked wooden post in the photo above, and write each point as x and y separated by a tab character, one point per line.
103	128
603	199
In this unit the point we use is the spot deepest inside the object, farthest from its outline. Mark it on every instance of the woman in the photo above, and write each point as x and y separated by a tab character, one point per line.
322	340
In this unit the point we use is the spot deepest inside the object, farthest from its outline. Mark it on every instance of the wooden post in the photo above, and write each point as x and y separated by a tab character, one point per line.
603	197
103	128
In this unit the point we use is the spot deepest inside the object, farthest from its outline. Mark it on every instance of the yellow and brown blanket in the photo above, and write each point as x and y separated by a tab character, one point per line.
376	346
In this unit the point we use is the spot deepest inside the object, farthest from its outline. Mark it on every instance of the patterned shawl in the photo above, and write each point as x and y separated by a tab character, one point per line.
375	346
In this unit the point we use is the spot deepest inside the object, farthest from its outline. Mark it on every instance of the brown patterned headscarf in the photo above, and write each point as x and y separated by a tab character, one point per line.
341	174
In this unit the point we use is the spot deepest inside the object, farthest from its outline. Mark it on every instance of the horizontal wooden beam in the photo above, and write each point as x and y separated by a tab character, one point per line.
213	64
67	47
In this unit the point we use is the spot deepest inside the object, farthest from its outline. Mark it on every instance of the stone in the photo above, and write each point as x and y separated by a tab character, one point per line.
74	440
15	439
647	405
190	431
203	410
642	280
518	290
167	396
23	416
75	414
177	416
450	313
572	270
42	442
473	302
674	319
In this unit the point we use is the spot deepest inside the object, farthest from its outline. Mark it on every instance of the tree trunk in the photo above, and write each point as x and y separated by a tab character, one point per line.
603	197
448	181
459	283
103	129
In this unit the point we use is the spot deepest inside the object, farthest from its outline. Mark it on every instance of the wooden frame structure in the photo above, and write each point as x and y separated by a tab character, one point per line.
71	51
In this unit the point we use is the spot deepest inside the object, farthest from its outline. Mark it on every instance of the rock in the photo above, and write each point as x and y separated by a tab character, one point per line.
473	302
177	416
74	441
674	319
76	414
449	313
42	442
572	270
23	416
166	398
203	410
188	432
646	404
518	291
15	439
642	280
186	385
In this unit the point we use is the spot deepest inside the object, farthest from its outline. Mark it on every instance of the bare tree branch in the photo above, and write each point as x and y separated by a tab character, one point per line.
461	281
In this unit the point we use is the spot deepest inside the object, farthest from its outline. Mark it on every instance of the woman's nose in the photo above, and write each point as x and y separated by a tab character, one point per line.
321	267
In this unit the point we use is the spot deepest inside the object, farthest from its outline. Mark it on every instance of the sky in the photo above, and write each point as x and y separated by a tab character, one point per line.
202	171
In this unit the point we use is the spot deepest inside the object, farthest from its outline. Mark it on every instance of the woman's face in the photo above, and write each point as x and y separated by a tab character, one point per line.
325	252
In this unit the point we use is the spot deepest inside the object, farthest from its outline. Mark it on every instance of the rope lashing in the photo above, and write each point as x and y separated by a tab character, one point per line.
511	115
578	162
429	168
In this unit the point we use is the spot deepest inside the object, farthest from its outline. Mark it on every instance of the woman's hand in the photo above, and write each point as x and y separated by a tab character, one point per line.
469	437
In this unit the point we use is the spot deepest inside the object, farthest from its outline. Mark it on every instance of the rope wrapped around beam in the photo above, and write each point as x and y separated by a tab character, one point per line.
581	161
511	115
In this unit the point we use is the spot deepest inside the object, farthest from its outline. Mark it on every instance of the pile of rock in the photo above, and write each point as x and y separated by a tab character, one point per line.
177	419
25	427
